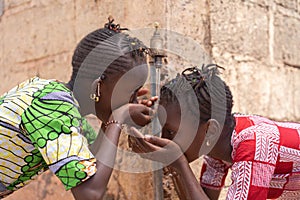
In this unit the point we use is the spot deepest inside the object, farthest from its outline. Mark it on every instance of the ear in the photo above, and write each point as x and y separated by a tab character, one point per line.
94	86
96	90
212	136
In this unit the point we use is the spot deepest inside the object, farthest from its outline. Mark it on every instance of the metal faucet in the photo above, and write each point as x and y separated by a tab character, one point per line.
156	62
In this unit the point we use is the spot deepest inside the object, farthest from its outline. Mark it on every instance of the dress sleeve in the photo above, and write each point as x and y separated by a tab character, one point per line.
213	173
88	131
54	125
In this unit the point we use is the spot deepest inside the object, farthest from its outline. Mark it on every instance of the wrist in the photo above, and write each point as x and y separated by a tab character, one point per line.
119	114
113	122
179	163
112	117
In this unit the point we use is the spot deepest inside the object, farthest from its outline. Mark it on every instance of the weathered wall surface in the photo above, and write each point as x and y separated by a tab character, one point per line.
255	40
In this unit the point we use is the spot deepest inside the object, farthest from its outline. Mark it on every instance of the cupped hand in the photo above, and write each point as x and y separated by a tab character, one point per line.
155	148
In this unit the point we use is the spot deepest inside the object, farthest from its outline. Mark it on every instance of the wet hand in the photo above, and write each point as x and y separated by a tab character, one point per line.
133	114
155	148
146	101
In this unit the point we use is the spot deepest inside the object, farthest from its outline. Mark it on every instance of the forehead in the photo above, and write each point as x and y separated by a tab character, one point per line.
173	112
169	110
185	126
169	114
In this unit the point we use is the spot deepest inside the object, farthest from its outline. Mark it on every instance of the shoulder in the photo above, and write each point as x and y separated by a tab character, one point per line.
55	90
245	121
20	98
248	127
36	88
253	137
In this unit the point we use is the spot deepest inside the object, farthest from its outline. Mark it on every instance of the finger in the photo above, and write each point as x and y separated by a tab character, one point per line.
134	144
136	148
143	101
138	137
156	140
136	133
146	119
155	98
148	111
149	103
139	145
142	147
150	147
142	91
130	141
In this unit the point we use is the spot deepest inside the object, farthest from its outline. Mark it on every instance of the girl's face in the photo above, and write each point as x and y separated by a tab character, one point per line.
122	89
182	129
127	86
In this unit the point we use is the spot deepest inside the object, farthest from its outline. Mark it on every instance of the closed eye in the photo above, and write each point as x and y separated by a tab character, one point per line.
169	134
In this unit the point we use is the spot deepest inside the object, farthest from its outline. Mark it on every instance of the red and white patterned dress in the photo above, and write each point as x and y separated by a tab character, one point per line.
266	161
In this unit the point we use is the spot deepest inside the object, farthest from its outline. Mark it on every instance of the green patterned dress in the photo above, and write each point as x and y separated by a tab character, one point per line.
41	128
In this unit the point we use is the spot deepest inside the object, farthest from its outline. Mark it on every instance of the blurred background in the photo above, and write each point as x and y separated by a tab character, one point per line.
256	41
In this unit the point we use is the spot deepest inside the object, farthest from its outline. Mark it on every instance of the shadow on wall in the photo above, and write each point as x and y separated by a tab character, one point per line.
1	7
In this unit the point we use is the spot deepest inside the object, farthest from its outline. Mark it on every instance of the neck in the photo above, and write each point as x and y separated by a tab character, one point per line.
223	149
103	116
83	97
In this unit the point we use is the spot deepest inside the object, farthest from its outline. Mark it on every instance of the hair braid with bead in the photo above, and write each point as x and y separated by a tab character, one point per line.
106	51
208	88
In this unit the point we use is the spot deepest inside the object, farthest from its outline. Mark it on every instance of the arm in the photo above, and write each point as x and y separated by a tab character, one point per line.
212	194
95	187
54	125
105	147
186	181
169	153
213	175
179	187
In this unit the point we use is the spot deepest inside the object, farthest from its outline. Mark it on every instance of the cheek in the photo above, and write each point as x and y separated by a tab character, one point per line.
144	70
166	134
189	139
120	96
162	115
192	152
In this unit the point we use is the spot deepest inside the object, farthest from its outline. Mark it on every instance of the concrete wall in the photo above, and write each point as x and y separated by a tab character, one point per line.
255	40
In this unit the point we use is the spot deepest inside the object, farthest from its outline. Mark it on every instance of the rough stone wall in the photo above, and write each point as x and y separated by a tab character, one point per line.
255	40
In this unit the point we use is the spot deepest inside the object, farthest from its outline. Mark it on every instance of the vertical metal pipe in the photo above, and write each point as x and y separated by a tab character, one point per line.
156	45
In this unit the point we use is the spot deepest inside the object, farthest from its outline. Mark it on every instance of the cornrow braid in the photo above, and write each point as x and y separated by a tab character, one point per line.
106	51
201	91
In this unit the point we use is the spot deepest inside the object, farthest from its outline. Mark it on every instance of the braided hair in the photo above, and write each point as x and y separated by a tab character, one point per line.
106	51
210	96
